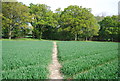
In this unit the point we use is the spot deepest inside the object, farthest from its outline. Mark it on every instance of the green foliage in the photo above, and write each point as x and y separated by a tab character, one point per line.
15	18
42	18
109	28
0	60
109	68
88	60
73	23
26	59
79	21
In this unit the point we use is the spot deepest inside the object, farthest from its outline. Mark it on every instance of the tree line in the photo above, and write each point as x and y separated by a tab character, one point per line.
72	23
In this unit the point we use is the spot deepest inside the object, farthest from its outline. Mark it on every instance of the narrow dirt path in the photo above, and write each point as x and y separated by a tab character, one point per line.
54	68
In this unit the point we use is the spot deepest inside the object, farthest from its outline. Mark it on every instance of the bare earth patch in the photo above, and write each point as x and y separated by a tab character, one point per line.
54	68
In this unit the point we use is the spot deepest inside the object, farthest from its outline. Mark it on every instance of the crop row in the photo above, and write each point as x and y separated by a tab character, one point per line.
72	50
77	57
82	64
108	70
26	59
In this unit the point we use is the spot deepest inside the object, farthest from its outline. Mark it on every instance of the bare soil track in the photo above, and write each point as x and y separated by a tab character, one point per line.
54	68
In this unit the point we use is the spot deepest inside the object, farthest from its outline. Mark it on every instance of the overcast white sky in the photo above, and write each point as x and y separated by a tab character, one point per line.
107	7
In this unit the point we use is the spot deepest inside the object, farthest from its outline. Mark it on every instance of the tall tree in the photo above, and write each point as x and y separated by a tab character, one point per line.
42	17
15	15
109	28
79	21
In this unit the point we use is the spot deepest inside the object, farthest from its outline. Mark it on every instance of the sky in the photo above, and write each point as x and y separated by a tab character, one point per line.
99	7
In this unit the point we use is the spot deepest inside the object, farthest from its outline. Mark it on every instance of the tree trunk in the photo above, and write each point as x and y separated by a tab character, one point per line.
112	39
86	38
75	37
40	35
10	33
33	35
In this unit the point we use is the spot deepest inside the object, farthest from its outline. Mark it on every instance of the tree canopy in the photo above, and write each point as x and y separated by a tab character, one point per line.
109	28
15	18
72	23
79	21
42	17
